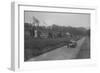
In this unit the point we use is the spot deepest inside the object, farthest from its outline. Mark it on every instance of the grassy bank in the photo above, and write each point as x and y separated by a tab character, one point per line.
84	52
36	46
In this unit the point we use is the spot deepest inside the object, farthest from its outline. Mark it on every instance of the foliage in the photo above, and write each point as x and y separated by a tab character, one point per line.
56	38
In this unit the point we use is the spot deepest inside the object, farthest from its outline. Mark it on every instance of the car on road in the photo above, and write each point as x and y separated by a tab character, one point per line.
72	44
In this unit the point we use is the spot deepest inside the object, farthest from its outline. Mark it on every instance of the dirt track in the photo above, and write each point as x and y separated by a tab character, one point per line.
60	53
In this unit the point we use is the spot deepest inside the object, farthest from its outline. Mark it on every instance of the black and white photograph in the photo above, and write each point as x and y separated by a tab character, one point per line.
56	36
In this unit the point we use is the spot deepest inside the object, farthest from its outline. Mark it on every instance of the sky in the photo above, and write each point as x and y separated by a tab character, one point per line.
61	19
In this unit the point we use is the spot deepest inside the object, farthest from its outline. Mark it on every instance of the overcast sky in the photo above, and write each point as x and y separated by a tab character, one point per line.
61	19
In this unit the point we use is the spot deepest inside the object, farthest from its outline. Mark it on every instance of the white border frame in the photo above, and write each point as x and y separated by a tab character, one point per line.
17	58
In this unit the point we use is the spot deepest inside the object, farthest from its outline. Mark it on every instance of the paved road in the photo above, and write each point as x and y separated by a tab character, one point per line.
60	53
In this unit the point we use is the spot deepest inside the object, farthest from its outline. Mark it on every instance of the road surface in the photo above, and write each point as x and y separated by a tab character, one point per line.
62	53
